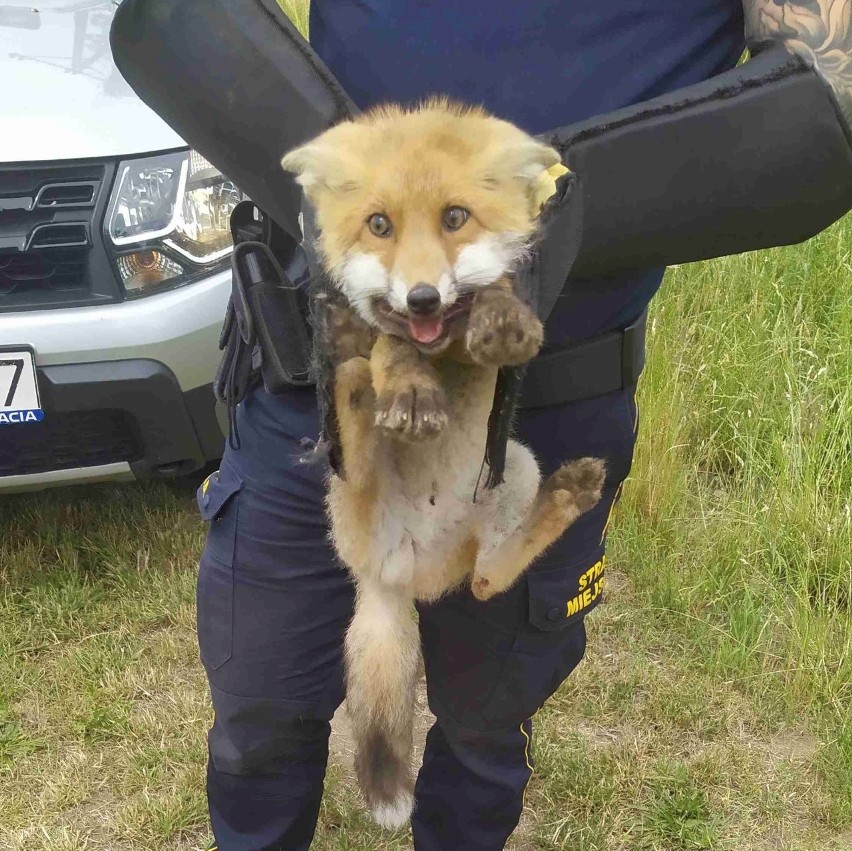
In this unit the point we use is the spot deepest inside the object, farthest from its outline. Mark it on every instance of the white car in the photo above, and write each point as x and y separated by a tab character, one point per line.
114	264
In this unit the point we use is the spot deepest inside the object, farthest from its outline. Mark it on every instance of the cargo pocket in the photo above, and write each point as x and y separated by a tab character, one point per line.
560	596
552	640
218	503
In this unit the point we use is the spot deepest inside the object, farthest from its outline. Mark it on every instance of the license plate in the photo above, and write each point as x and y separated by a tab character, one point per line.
19	402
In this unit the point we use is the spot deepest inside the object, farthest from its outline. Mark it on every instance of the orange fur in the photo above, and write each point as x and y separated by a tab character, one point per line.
441	153
413	417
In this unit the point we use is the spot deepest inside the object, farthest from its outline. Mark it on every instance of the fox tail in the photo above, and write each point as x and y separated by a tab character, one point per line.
382	652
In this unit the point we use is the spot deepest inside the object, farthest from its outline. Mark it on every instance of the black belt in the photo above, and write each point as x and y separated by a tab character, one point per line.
591	368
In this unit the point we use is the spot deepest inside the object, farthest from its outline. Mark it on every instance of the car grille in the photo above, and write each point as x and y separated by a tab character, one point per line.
51	251
57	269
63	441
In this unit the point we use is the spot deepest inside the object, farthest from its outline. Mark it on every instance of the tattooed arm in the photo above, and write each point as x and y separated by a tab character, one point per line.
819	31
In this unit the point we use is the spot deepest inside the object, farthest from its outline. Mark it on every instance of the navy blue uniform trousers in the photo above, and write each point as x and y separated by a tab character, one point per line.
274	603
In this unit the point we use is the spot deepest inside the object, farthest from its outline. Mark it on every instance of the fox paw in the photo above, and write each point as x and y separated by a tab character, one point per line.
502	330
583	479
485	587
413	413
481	588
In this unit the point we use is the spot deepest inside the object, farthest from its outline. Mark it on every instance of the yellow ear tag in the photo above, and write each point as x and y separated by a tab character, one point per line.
545	185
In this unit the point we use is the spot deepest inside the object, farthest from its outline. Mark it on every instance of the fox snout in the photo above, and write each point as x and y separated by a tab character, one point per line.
427	317
423	299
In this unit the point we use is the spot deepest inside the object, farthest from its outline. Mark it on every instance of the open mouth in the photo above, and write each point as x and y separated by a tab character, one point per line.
429	330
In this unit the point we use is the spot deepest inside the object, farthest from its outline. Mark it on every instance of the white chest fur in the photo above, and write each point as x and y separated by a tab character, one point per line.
428	504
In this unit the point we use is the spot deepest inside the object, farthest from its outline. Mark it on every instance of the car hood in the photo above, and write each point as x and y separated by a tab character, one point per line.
63	98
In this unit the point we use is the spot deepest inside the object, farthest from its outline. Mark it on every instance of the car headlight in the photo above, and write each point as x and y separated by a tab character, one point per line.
168	221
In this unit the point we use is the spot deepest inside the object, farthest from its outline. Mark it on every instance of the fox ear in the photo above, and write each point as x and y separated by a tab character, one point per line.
517	158
532	158
540	166
318	165
308	162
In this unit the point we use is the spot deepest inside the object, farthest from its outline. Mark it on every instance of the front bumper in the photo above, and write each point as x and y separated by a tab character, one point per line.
126	389
111	420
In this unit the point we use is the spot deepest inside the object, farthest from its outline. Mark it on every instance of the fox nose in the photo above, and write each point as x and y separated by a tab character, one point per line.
424	298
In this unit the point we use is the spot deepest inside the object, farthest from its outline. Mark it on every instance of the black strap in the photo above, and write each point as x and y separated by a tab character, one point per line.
559	241
591	368
539	280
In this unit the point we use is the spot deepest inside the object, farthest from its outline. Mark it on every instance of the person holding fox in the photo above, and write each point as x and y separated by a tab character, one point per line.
421	227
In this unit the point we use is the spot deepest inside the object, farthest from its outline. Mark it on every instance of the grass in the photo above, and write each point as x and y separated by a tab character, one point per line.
297	12
712	711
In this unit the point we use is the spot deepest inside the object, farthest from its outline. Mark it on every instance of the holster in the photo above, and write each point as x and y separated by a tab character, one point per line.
266	331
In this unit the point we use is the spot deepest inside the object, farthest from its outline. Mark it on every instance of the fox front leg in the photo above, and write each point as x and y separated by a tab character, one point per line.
355	402
410	401
502	330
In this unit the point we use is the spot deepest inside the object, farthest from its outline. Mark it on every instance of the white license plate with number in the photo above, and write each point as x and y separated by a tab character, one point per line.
19	402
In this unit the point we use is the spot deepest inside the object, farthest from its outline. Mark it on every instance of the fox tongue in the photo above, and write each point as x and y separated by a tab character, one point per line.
425	329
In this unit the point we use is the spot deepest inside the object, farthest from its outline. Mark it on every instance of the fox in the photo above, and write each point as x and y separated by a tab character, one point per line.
423	214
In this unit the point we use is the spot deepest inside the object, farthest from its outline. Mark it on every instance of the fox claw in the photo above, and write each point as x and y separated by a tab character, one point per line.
415	413
481	588
486	587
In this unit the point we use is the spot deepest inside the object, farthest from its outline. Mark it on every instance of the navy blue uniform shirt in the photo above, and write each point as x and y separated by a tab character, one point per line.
542	64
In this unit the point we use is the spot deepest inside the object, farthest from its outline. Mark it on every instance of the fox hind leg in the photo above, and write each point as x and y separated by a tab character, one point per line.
572	490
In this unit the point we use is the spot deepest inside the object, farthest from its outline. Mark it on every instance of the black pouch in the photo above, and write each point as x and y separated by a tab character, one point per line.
266	331
278	309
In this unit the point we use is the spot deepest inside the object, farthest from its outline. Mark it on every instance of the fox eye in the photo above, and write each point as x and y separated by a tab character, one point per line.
380	225
455	217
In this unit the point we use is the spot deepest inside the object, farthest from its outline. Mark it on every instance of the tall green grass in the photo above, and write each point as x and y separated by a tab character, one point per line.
735	528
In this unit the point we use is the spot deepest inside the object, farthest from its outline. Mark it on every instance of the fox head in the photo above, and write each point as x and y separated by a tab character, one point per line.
417	209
